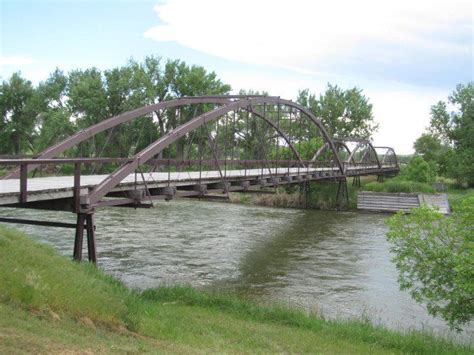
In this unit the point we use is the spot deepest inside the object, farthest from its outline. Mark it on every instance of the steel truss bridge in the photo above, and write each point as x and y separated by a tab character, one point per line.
227	143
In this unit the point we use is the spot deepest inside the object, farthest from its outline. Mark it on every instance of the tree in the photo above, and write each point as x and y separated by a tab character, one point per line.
345	113
53	122
434	256
433	150
454	130
440	122
463	132
17	106
420	170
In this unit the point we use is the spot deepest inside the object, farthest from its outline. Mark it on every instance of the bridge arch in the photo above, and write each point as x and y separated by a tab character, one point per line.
153	149
386	155
369	154
227	100
340	146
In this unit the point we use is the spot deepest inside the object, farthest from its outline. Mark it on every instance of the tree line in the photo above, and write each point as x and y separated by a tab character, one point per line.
33	117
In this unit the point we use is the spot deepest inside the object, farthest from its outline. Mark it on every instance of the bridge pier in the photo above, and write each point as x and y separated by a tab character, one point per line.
356	181
85	220
305	191
342	195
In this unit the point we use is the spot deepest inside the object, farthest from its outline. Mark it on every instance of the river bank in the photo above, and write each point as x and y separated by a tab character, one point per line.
50	304
323	195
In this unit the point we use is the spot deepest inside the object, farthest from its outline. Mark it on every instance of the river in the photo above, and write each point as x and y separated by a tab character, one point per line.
334	263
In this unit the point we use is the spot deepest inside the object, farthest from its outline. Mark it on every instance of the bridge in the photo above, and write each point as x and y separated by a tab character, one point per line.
209	146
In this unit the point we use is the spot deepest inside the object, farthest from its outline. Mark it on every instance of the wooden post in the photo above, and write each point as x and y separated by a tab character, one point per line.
307	194
91	249
77	187
342	195
23	182
85	220
77	255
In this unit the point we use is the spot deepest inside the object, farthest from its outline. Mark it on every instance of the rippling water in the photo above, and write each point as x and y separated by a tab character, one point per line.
337	263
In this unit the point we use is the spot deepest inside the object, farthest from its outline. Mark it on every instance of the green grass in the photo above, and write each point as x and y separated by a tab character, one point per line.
455	195
398	184
51	304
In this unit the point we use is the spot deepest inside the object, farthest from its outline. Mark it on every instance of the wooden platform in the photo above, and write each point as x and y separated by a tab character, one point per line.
394	202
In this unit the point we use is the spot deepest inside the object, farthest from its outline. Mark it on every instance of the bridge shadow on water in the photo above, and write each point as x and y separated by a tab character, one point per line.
315	253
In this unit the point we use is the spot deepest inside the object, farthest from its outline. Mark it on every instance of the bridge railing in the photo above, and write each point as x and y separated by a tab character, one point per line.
304	167
24	164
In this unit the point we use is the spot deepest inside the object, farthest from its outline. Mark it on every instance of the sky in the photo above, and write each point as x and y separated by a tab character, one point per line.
404	55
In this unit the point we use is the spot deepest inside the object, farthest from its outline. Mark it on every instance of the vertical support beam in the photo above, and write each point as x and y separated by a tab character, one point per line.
307	195
91	248
356	181
77	254
77	187
85	220
23	183
342	195
304	194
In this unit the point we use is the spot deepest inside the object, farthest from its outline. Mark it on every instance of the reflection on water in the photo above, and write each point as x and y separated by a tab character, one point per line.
336	262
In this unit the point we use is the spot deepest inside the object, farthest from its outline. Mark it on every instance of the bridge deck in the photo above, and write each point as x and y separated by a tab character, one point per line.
49	188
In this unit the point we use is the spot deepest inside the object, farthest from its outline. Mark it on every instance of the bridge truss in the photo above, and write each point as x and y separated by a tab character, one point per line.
206	145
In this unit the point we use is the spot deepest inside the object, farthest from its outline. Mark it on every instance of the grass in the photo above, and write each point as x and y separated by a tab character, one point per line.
397	184
456	194
50	304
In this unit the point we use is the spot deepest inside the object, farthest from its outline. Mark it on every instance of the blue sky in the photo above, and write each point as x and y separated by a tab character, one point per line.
405	55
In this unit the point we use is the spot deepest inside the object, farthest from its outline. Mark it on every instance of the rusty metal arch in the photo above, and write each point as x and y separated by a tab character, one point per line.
356	148
344	145
371	149
325	146
280	132
111	122
93	130
388	150
146	154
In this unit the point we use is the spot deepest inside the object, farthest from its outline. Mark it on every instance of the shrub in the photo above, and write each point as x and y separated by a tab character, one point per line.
420	170
434	256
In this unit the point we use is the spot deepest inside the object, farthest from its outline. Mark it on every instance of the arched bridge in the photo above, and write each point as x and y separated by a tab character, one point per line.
207	145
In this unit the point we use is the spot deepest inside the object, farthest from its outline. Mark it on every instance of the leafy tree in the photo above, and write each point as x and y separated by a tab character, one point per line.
433	150
440	122
345	113
53	122
454	130
17	106
434	256
463	133
420	170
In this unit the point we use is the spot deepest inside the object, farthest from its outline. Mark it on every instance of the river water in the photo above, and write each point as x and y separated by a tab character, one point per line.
334	263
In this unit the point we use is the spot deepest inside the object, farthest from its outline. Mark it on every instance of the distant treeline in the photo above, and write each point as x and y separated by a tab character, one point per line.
33	117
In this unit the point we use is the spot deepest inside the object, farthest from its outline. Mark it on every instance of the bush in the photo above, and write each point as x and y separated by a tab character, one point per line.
420	170
434	256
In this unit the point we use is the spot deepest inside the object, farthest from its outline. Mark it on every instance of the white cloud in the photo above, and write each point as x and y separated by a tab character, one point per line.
301	35
403	115
16	61
334	41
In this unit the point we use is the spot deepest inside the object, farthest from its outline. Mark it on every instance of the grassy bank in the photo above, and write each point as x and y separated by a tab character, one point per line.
397	184
51	304
322	196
